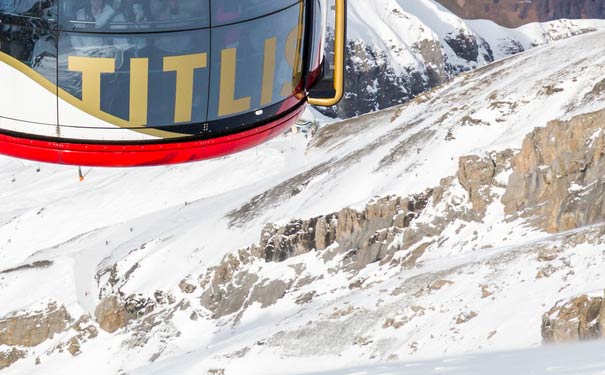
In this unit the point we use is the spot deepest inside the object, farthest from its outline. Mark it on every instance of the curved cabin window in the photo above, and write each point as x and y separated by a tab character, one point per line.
256	64
230	11
186	79
40	9
131	16
25	32
158	63
320	14
28	44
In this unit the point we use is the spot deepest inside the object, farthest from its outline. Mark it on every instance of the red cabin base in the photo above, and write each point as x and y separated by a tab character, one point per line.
100	155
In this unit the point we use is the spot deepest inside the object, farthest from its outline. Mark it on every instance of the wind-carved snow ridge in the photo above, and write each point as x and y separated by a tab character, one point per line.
407	47
380	242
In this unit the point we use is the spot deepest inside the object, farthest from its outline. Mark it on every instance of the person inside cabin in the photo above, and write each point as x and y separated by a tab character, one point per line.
174	14
183	11
98	14
139	15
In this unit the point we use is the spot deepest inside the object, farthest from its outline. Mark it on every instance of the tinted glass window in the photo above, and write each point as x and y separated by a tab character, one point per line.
146	80
29	8
256	63
33	51
230	11
317	45
133	15
35	47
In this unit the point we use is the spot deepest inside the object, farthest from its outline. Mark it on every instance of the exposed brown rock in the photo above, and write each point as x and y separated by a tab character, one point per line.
476	175
227	298
485	292
269	293
465	317
580	318
10	356
365	237
548	254
437	285
31	329
187	287
112	313
417	253
73	346
305	298
557	180
394	323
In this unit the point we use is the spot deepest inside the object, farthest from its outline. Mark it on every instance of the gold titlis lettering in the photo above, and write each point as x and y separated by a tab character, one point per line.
292	54
228	105
91	69
184	66
139	90
268	71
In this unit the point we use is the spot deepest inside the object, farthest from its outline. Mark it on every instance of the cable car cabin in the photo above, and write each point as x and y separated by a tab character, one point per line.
153	82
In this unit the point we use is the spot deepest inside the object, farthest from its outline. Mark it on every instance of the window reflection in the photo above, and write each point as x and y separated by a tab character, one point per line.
28	8
25	33
319	18
133	15
255	63
31	44
36	49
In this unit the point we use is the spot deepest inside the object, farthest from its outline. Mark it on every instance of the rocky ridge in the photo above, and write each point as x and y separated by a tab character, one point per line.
578	319
511	13
397	50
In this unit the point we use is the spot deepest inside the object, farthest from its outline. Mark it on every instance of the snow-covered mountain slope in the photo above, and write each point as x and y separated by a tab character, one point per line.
399	48
406	234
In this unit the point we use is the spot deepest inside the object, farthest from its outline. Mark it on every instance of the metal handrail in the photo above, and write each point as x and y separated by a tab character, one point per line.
339	58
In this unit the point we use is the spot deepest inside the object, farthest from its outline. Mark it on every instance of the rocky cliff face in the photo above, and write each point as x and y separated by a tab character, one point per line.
578	319
373	82
512	13
360	238
397	50
31	329
557	178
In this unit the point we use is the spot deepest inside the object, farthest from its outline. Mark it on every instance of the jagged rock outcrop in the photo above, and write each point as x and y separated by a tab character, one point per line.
363	236
580	318
557	180
373	83
113	313
33	328
10	356
476	175
513	13
468	47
